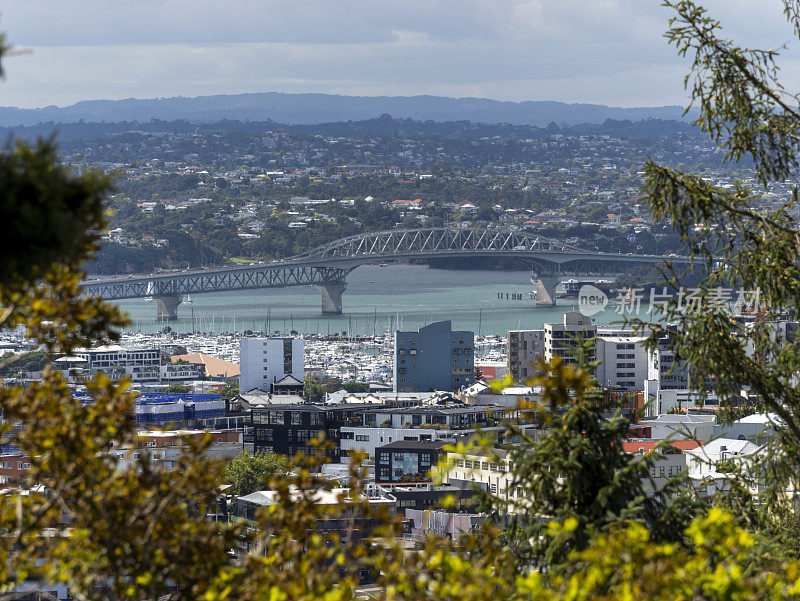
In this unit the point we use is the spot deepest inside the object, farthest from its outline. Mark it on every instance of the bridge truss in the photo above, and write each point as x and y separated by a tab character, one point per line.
215	281
327	266
434	241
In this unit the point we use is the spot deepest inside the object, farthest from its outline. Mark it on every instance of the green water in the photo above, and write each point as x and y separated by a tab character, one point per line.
377	298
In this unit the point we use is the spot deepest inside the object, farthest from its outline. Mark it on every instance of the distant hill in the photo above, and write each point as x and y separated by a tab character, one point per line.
384	126
321	108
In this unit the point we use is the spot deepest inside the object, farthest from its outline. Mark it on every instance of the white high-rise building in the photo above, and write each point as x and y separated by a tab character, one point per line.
264	361
623	361
561	339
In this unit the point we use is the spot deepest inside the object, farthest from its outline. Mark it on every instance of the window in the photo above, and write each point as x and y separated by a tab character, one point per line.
398	456
413	351
362	437
425	457
401	351
295	417
384	456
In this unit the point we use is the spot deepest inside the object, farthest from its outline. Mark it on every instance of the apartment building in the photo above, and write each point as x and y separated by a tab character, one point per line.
667	383
623	362
524	349
289	429
561	339
266	361
399	460
434	358
140	364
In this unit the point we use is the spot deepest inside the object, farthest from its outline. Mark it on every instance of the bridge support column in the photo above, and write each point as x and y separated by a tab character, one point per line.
332	298
546	291
168	307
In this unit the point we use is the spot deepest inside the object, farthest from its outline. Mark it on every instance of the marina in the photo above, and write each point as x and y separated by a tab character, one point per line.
349	359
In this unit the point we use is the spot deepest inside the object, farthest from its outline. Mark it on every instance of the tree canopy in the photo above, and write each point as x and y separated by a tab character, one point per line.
248	473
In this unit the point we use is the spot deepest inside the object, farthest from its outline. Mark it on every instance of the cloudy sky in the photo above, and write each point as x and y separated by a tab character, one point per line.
602	51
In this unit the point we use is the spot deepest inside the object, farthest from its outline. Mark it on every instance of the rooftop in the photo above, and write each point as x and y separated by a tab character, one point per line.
422	445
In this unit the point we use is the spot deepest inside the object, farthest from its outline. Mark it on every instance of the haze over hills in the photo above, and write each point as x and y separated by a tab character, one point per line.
319	108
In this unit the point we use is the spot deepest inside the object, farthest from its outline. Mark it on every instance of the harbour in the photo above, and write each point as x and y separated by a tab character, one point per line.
378	298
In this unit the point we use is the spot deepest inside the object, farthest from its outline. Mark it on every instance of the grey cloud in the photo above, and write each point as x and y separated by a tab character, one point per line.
609	51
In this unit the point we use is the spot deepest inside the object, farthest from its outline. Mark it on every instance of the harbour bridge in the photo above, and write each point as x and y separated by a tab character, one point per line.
327	266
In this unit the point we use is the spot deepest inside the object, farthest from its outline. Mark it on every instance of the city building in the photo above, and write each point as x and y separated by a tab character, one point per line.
561	339
623	362
265	361
380	425
13	469
338	514
525	348
667	383
681	426
491	370
289	429
140	365
403	459
672	458
710	464
367	439
165	447
434	358
490	471
174	410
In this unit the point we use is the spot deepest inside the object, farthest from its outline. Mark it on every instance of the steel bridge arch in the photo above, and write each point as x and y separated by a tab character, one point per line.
328	265
426	241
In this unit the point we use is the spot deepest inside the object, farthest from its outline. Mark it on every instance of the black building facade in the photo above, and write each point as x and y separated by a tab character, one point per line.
406	458
289	429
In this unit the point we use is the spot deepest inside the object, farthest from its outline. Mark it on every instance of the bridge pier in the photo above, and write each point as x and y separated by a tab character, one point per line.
546	291
332	298
167	307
